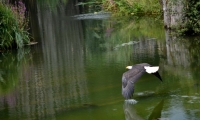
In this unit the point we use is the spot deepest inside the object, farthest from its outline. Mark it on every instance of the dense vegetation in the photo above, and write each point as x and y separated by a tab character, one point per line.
127	7
13	26
191	11
132	7
192	17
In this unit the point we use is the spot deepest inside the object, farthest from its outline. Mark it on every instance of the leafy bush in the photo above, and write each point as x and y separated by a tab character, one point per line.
132	7
191	19
13	26
127	7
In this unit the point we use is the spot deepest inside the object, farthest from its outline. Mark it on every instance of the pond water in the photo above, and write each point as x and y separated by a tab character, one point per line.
75	70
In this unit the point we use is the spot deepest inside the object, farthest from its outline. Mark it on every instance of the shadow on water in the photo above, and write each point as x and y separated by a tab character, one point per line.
156	113
131	113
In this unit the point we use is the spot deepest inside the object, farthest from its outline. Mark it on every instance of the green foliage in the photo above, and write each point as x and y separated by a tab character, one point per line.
132	7
126	7
7	26
192	17
12	27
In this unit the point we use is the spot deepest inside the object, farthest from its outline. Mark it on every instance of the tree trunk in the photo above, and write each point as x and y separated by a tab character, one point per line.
173	13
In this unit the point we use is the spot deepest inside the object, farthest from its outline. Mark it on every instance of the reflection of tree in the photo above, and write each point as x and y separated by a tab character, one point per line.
60	81
10	68
124	31
94	35
180	70
192	45
52	4
194	49
177	60
54	81
130	112
146	50
182	56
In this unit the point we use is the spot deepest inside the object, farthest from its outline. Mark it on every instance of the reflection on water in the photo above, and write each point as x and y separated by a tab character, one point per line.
11	64
74	72
132	114
146	51
156	113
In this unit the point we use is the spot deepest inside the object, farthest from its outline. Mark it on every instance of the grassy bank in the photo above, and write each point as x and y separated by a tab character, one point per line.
126	7
132	7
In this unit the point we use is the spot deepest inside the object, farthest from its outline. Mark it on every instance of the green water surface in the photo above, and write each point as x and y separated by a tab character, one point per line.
75	70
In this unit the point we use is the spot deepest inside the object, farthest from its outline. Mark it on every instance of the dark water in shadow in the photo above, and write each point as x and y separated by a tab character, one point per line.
74	72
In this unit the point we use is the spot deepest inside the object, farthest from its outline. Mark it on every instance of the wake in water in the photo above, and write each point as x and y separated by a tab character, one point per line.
131	101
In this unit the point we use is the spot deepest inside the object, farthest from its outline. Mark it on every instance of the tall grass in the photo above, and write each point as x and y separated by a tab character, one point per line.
191	25
13	26
132	7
